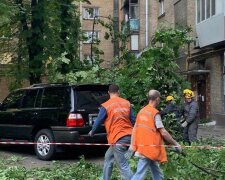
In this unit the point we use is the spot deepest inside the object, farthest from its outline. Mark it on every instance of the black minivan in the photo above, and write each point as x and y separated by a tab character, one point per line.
52	113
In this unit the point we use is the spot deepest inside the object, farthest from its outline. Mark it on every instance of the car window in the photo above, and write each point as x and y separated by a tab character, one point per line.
13	100
91	98
29	98
38	99
56	97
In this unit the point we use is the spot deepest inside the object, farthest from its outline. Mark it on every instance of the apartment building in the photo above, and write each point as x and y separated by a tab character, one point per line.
135	13
209	58
204	63
90	13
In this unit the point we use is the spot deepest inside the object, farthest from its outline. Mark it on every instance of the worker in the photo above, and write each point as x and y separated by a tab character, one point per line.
190	112
148	139
170	108
118	117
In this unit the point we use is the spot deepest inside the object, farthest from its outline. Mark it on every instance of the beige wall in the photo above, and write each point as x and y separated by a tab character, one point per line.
153	17
105	9
214	64
142	32
168	18
191	19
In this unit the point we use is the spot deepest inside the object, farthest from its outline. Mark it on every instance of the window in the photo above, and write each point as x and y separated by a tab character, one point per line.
91	98
205	9
224	78
56	97
90	13
208	9
29	99
134	42
87	58
213	9
134	11
161	7
198	11
88	37
134	1
13	101
202	10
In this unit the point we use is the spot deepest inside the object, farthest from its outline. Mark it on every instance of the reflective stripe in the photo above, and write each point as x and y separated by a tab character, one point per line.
143	111
119	109
119	117
146	127
116	104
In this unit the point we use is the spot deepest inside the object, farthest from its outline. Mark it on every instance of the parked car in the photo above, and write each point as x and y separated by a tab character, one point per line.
52	113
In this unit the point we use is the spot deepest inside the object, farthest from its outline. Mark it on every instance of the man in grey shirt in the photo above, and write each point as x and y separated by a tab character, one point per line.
190	112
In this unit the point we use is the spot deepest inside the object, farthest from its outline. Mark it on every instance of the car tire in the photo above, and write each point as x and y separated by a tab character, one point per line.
44	151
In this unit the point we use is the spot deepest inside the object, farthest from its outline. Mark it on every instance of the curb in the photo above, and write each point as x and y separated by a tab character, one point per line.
213	123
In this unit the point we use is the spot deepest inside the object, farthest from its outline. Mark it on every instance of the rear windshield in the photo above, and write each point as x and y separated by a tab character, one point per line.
91	98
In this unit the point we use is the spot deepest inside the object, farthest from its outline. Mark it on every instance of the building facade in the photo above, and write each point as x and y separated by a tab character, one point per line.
90	13
204	64
208	59
135	13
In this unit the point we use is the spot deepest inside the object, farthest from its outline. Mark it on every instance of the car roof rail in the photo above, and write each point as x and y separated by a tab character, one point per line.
48	84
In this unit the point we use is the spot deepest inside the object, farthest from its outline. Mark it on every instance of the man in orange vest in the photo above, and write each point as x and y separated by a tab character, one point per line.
148	139
118	118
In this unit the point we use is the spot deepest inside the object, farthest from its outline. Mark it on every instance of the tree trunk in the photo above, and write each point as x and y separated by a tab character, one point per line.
35	47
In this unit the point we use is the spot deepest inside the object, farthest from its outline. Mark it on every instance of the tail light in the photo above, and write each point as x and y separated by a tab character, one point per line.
75	120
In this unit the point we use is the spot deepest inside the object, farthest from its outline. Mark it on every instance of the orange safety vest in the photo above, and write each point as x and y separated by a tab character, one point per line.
146	139
118	122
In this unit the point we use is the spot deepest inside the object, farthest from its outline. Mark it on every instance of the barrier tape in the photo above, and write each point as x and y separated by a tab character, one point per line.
100	144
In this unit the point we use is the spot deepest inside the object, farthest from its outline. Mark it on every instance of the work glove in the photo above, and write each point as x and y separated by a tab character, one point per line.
129	154
184	124
178	148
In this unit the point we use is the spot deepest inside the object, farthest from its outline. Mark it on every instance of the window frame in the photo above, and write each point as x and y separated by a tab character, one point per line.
19	101
89	58
27	93
134	10
46	97
161	7
204	12
134	38
87	15
88	34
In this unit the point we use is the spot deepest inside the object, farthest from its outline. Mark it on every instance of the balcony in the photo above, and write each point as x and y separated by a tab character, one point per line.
134	24
211	31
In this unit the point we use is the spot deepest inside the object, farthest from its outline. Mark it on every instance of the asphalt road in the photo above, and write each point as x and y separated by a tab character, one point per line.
27	158
214	131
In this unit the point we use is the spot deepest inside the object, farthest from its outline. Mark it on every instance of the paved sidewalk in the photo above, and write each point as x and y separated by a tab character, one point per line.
213	131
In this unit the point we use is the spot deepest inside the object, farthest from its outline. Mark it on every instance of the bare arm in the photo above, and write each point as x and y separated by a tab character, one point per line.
166	136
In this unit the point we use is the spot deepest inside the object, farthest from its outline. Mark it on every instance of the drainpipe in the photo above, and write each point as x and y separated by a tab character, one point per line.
116	25
146	19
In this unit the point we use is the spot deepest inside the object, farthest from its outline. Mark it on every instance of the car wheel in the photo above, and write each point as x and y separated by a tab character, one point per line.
43	150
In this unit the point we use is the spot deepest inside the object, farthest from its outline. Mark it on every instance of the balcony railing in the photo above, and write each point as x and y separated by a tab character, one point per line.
134	24
211	31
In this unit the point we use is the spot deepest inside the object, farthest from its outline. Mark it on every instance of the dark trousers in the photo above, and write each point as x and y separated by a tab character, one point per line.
190	132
